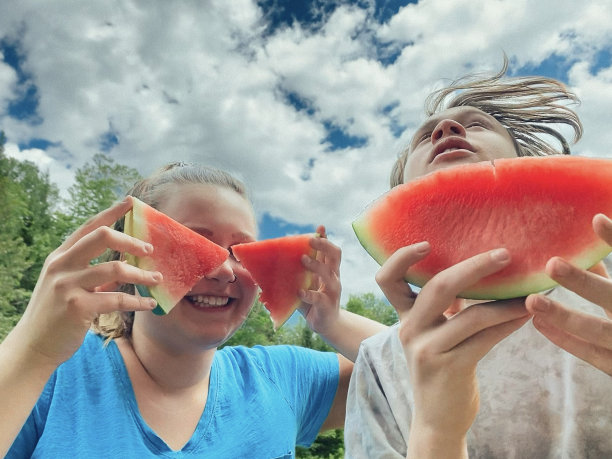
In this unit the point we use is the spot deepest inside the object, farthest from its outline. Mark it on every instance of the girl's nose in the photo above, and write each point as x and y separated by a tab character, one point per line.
224	273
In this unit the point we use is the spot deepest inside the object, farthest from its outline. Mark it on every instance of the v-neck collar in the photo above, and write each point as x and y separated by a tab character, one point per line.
157	444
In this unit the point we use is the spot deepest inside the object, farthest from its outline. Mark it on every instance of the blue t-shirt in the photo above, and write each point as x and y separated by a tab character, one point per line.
262	401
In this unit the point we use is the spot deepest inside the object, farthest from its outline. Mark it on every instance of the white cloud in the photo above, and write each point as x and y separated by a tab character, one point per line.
179	81
8	81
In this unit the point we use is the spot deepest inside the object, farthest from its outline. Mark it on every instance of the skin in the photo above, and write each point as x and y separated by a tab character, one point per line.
168	358
67	297
444	337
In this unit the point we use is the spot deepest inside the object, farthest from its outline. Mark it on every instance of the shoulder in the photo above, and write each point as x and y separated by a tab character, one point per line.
275	359
382	342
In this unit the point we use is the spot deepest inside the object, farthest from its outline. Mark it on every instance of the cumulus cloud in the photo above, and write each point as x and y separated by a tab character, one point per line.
221	85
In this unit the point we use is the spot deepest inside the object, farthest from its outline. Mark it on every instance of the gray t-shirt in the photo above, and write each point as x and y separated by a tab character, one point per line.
536	400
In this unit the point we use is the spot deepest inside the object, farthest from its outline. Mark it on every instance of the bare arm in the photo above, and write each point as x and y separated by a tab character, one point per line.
69	294
442	353
340	328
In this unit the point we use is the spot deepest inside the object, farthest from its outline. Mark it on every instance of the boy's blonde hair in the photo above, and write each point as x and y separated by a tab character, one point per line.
525	106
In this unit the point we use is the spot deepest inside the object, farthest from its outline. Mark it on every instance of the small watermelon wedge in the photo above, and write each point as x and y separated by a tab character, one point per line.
536	207
179	253
276	267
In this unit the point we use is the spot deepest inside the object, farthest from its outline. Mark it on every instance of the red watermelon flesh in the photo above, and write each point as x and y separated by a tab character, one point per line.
276	267
536	207
179	253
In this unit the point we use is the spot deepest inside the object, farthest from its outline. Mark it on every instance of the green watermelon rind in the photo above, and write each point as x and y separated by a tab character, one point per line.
360	226
135	225
537	282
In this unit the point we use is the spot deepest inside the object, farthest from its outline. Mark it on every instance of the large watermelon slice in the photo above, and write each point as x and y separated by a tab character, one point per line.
180	254
536	207
276	267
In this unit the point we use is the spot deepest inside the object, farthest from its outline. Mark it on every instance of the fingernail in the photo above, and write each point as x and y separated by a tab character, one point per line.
421	247
562	268
152	303
541	304
500	255
157	277
148	248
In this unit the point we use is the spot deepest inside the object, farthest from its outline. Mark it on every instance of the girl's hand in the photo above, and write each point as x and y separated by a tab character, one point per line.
321	303
442	352
587	337
71	292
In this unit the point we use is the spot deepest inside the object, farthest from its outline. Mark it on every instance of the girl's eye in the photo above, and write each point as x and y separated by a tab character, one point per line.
475	124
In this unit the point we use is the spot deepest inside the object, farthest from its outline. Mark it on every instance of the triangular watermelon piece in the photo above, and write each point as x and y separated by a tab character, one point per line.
536	207
276	267
180	254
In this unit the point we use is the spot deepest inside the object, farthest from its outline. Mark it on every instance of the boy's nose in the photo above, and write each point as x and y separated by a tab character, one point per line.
446	128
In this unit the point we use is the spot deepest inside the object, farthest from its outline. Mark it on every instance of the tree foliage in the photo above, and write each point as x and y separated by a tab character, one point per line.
373	307
97	186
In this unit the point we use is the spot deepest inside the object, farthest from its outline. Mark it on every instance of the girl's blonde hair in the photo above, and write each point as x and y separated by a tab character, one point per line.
525	106
152	191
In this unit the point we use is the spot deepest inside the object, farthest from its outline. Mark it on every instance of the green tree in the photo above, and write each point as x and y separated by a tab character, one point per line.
98	184
27	223
257	329
373	307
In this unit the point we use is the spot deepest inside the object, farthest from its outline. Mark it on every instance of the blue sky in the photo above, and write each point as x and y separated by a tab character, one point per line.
309	102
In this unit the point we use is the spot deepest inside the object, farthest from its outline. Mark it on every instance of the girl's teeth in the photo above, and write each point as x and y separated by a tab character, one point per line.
207	300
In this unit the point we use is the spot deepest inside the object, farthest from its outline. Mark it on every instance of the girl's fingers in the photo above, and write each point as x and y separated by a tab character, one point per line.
315	297
590	329
106	302
589	285
117	272
443	288
390	277
105	218
102	238
327	253
321	231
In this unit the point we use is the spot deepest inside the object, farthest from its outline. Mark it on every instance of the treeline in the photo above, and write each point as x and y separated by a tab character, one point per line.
35	219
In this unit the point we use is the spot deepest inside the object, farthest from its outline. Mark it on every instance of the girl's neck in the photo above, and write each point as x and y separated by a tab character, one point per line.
169	368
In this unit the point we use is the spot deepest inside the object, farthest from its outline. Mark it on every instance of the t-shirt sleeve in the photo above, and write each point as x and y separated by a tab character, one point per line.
27	439
370	428
309	380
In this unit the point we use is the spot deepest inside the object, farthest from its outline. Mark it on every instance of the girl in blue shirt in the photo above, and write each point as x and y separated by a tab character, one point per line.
143	385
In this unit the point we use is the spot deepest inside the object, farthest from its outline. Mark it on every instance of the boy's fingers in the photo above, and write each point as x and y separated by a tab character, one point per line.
441	290
592	329
589	285
390	277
